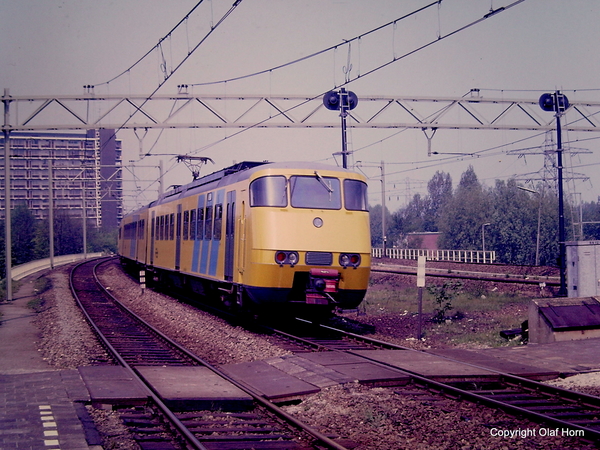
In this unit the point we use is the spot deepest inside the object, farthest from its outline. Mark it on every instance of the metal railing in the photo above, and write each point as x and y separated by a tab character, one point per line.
468	256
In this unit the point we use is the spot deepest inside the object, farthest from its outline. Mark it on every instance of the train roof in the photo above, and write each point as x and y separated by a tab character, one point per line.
237	172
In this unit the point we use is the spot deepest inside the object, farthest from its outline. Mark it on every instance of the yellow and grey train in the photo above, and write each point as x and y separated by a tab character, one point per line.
260	236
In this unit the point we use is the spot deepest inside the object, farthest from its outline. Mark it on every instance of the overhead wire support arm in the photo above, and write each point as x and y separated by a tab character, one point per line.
400	112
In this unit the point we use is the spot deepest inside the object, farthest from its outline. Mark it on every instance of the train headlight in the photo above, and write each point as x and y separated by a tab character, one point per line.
284	257
293	258
349	260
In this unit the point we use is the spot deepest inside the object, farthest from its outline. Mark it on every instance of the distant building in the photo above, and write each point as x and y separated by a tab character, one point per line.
84	166
425	240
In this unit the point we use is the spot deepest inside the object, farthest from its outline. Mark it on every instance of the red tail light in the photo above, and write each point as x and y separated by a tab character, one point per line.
285	257
349	260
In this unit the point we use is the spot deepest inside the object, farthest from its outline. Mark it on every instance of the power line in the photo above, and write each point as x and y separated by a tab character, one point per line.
157	46
320	52
183	61
370	72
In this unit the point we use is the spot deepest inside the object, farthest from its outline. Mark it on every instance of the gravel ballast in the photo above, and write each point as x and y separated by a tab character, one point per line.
374	417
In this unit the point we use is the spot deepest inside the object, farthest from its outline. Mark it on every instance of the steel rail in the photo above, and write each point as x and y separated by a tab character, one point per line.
257	397
181	428
497	277
572	397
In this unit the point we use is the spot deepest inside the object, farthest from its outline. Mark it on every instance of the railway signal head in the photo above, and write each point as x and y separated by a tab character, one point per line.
555	102
333	100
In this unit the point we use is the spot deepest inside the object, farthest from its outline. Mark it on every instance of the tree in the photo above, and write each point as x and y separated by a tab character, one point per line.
513	230
462	217
375	218
23	232
590	212
2	251
415	214
68	234
440	193
101	240
549	248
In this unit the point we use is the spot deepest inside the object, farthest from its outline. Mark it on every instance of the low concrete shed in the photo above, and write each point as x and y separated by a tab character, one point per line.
563	319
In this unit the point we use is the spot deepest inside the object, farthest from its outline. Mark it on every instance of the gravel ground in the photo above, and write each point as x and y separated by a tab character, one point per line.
375	417
66	340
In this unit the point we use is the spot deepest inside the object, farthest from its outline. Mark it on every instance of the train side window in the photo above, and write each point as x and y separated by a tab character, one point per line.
192	224
218	222
172	226
208	223
269	191
200	230
355	195
186	225
157	233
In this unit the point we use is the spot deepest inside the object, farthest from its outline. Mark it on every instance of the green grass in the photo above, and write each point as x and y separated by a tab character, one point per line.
482	315
395	299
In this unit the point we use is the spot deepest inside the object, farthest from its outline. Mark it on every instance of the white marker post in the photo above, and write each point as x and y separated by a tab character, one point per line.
420	285
143	280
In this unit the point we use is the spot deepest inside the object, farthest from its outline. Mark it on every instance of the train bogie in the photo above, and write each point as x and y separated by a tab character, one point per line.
264	234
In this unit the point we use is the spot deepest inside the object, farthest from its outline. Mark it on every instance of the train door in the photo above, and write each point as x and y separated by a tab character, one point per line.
241	257
229	235
178	238
152	235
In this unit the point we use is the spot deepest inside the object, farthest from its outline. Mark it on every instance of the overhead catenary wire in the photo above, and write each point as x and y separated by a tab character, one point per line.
347	79
157	46
356	77
320	52
181	63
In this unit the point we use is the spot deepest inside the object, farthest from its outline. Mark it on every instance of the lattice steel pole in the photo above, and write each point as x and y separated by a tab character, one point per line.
7	216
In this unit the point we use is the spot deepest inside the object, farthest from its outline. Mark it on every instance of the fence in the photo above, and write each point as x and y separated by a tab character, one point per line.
469	256
22	270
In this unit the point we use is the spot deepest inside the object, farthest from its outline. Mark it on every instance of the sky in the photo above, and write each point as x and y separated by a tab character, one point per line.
54	47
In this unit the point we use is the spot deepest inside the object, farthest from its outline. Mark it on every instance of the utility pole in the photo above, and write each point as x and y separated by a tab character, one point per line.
7	216
344	101
51	208
383	224
558	103
344	115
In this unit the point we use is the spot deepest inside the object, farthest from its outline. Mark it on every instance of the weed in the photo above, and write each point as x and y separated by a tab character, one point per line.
36	303
443	296
375	418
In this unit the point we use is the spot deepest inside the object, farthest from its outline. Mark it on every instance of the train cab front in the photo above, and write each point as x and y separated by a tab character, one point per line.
310	239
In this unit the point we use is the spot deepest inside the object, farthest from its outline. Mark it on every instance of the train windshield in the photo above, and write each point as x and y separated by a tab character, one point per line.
269	191
355	195
315	192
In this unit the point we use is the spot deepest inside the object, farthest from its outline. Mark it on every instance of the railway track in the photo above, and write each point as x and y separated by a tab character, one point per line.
133	344
564	412
496	277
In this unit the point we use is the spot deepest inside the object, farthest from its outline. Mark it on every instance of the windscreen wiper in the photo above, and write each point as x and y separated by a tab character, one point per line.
322	181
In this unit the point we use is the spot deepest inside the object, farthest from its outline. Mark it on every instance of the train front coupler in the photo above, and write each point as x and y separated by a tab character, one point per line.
322	284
